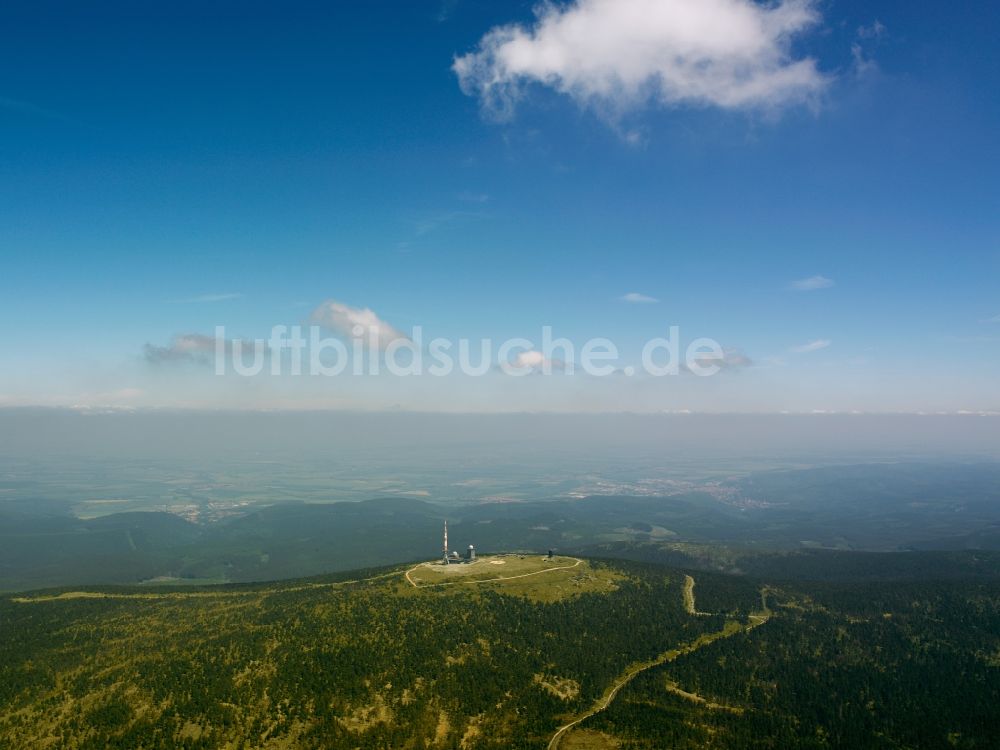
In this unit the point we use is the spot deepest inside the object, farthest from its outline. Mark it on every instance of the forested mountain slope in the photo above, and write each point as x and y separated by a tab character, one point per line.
501	656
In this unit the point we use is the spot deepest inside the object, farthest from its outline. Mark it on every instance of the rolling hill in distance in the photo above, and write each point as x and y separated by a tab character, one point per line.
660	597
875	507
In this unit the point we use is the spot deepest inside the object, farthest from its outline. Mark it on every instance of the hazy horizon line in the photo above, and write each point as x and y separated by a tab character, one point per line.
118	409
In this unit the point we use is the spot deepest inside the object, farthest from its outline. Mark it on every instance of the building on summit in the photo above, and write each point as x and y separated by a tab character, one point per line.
452	557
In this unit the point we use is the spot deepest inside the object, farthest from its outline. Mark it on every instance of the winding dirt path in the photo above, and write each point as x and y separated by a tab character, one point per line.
689	605
731	628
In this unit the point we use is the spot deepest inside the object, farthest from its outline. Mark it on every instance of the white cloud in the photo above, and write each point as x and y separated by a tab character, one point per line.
535	359
867	36
730	359
620	55
532	360
874	31
811	284
445	11
638	299
863	64
355	322
994	319
812	346
185	347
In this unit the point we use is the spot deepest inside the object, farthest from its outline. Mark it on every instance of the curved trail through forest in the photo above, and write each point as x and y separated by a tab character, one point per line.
688	591
731	628
486	580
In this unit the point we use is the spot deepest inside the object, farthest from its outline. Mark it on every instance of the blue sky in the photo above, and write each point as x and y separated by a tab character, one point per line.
168	169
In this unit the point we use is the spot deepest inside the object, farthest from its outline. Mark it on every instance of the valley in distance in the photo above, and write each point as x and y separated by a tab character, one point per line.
645	592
